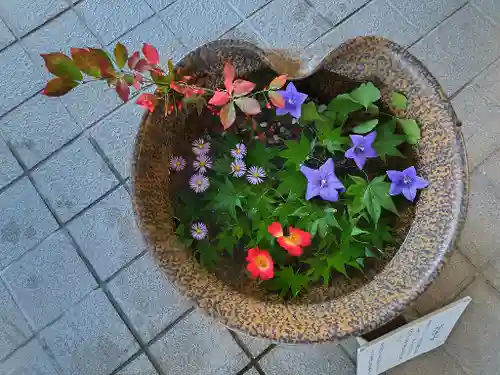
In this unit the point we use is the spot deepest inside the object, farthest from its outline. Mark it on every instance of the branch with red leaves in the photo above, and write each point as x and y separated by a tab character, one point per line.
123	72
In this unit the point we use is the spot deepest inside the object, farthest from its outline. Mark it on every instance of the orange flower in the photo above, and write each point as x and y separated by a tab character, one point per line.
292	243
260	264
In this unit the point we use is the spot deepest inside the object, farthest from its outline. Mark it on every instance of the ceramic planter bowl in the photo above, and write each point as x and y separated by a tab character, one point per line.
347	307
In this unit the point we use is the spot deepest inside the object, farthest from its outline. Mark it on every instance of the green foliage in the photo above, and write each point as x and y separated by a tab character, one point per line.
62	66
227	199
309	112
330	137
411	130
286	280
366	94
365	127
376	196
398	101
296	152
387	140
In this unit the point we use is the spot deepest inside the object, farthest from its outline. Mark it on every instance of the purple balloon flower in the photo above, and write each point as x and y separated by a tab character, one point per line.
293	101
406	182
362	148
322	182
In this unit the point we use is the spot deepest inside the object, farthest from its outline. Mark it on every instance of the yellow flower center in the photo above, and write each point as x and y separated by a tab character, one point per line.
261	261
202	163
198	182
238	151
178	164
237	168
198	230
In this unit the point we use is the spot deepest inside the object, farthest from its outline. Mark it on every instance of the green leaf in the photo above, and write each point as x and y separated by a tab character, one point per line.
365	127
227	199
86	61
208	254
222	166
366	94
318	269
62	66
309	112
357	231
171	70
286	280
293	183
387	141
344	104
59	86
260	155
330	137
398	101
377	196
226	242
296	152
411	130
121	55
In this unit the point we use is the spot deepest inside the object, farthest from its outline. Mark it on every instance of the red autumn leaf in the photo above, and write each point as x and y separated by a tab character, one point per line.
249	106
278	82
143	66
276	99
229	75
227	115
219	98
242	87
147	101
122	89
121	55
86	61
62	66
133	60
151	54
59	86
138	80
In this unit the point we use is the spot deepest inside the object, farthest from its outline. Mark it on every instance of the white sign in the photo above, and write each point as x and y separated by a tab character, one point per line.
409	341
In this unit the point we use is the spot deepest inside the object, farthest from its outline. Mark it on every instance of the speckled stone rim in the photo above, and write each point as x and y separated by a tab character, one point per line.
440	211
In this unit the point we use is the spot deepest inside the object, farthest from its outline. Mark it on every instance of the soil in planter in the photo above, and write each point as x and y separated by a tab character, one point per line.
264	134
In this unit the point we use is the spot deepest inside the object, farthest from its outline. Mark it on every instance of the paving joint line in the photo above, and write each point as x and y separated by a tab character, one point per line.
170	326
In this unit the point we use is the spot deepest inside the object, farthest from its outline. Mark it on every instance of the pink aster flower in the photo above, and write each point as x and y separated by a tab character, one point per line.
177	163
199	231
199	183
238	168
201	147
239	151
255	175
202	163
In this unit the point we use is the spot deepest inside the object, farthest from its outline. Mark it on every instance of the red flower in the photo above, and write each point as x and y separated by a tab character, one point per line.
292	243
147	101
260	264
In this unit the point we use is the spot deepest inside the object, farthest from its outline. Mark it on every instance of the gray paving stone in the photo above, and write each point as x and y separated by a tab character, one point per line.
247	7
244	31
196	346
475	341
252	371
254	344
90	339
478	112
489	82
49	279
459	48
107	233
456	275
490	7
188	20
24	15
377	18
350	345
6	36
435	362
147	297
139	366
90	102
116	133
312	359
28	360
20	78
491	272
154	32
73	178
9	167
38	127
59	35
24	222
480	238
490	169
337	11
427	14
14	329
293	29
110	21
158	5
